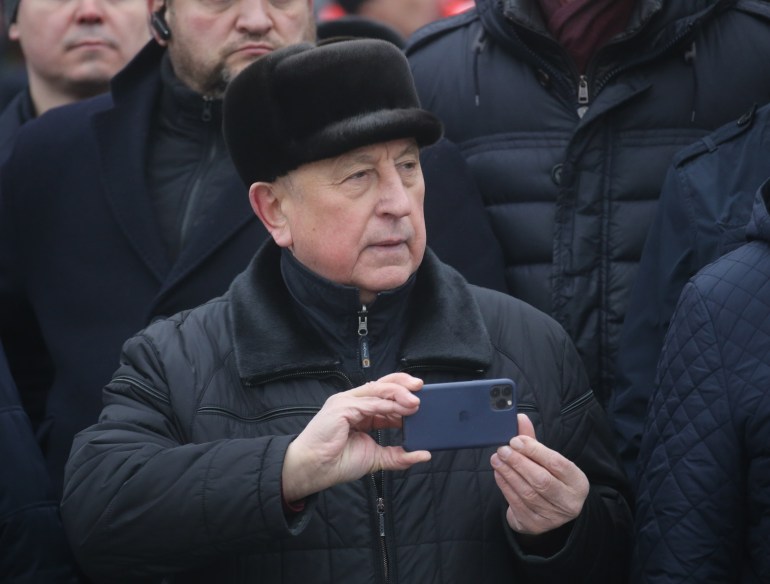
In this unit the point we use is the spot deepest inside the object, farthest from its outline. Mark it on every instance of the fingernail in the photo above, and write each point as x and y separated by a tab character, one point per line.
517	443
504	452
495	460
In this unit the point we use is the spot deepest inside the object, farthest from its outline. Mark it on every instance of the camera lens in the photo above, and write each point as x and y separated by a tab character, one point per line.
495	392
507	391
501	404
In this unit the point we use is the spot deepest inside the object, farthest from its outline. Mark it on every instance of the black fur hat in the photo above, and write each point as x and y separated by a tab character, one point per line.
307	102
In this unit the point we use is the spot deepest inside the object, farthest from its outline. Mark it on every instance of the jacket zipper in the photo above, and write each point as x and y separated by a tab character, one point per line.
211	154
583	97
378	478
363	341
378	482
583	84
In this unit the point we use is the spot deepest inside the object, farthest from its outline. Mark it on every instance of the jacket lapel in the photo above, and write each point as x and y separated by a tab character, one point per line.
232	214
122	135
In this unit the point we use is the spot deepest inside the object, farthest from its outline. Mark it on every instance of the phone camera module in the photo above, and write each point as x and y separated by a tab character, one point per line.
501	397
502	404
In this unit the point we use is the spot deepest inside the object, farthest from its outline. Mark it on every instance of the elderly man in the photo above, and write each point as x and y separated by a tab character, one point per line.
257	437
126	207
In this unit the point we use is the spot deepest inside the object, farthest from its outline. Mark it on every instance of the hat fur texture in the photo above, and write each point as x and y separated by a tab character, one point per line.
307	102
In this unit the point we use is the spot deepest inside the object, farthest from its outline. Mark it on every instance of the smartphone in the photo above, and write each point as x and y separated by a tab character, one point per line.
463	414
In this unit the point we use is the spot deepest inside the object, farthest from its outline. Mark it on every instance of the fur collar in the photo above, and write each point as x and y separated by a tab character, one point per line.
445	328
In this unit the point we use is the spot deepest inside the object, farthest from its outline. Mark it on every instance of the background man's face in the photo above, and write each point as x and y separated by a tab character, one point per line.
76	46
358	219
213	40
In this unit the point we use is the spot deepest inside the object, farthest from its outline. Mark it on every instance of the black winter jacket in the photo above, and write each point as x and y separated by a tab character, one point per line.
705	205
704	503
571	197
83	265
182	473
33	548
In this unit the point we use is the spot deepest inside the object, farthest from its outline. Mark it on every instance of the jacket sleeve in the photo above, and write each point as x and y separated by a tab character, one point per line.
690	465
141	500
25	349
598	547
667	263
33	547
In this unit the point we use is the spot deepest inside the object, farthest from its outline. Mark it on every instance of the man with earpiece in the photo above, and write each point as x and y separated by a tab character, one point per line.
127	208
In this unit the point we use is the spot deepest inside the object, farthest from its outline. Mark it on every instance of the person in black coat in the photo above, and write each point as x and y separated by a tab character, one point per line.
33	547
705	205
125	208
257	438
69	53
569	114
703	503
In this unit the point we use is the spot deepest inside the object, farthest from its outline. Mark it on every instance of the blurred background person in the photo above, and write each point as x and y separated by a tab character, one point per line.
569	114
12	75
404	16
71	50
705	205
703	502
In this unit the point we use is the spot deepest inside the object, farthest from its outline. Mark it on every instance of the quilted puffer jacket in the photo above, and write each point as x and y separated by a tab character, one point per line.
703	511
181	476
570	166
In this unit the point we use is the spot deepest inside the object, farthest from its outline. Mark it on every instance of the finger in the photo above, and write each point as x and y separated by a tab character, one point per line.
525	426
362	412
396	458
529	511
409	381
555	463
520	478
388	390
540	488
524	515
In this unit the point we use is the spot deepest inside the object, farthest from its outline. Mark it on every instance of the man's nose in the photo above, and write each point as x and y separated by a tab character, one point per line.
394	196
255	16
89	11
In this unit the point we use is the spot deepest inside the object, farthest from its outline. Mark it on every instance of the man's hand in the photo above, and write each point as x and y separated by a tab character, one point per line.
335	446
544	490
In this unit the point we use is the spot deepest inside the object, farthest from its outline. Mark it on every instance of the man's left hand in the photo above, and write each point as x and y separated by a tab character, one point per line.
544	490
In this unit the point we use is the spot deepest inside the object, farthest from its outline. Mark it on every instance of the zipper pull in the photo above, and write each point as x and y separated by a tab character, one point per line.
208	103
363	331
381	515
582	95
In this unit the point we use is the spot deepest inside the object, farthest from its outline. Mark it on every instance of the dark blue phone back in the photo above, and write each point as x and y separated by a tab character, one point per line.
463	414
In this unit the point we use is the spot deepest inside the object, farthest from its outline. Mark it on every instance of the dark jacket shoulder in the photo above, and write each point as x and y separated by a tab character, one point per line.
725	135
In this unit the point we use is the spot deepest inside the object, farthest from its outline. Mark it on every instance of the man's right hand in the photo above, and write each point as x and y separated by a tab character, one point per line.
335	447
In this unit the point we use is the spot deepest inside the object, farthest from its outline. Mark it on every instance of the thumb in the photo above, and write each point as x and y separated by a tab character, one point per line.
525	426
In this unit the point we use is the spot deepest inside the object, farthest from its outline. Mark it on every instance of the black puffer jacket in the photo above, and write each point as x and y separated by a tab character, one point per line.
571	197
182	473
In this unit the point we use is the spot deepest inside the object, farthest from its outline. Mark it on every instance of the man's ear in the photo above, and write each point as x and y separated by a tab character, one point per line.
13	32
267	206
157	21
